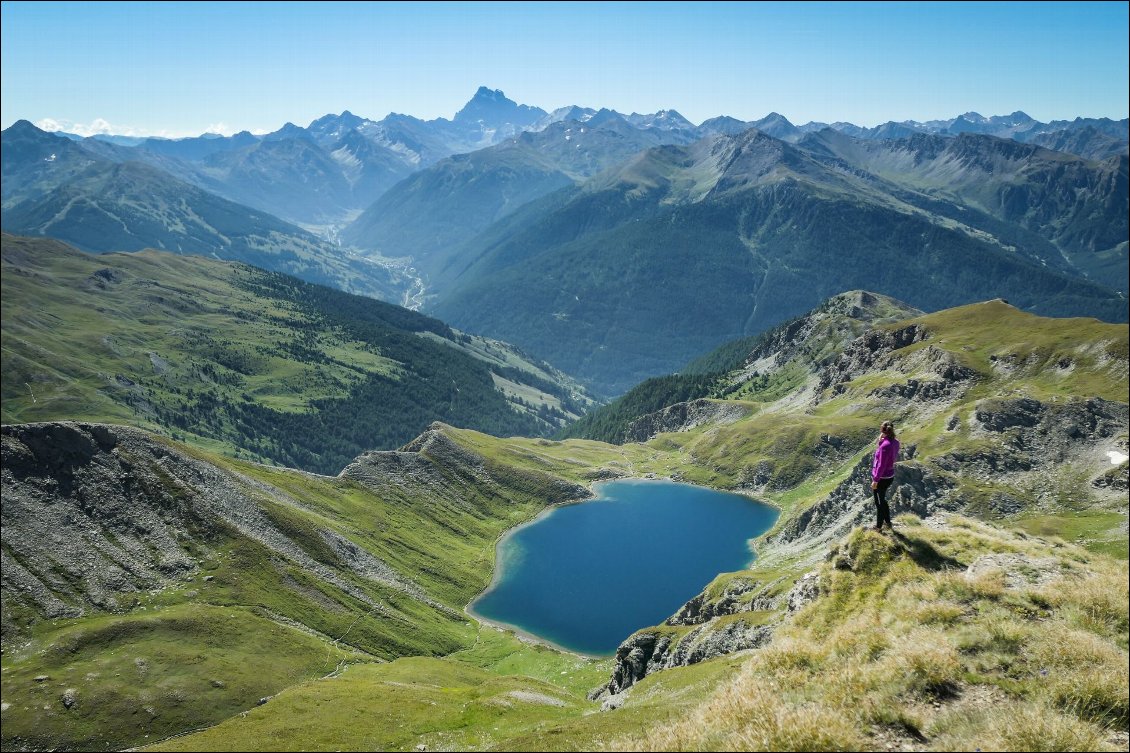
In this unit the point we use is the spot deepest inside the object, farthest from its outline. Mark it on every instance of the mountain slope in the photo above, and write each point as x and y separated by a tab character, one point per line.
942	636
771	358
248	361
1088	142
1079	206
321	176
607	279
429	216
190	587
101	205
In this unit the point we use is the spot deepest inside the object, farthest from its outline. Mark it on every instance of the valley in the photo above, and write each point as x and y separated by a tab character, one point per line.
1007	420
283	412
250	362
586	236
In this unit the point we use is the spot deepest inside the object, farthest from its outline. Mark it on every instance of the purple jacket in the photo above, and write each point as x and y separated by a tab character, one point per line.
883	466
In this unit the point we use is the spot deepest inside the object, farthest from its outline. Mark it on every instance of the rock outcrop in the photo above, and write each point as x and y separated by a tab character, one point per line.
721	625
93	515
818	338
434	462
684	417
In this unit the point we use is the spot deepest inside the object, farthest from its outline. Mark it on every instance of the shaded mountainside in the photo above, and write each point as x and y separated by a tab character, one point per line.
772	362
61	191
431	214
426	215
606	280
1080	206
1088	142
304	181
249	361
318	177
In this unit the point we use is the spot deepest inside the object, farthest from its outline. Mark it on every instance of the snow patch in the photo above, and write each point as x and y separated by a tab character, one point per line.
1117	458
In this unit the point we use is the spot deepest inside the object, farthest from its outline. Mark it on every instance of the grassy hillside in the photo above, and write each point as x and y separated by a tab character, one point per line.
998	621
946	637
250	362
189	572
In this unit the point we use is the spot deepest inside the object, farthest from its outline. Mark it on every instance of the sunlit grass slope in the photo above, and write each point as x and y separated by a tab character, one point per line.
247	362
251	619
949	636
945	637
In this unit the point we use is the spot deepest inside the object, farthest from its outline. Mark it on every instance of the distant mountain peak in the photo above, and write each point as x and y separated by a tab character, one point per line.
344	121
777	125
604	115
288	131
664	120
561	114
495	95
22	127
492	108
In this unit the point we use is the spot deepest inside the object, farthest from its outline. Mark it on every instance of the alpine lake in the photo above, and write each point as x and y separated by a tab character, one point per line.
585	576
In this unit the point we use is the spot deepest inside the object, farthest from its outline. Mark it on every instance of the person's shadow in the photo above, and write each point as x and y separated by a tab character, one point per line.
924	553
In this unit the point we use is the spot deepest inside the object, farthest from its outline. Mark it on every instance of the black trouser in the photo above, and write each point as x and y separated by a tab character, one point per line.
882	509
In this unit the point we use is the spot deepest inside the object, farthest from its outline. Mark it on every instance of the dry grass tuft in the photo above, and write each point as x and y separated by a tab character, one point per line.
898	634
1017	726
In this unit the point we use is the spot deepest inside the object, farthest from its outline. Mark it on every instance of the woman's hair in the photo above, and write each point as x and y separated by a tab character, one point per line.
888	428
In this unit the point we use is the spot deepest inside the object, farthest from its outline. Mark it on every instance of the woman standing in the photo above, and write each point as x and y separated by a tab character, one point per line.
883	473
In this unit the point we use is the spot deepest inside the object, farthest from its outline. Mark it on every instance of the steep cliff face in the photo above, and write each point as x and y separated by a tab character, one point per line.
743	616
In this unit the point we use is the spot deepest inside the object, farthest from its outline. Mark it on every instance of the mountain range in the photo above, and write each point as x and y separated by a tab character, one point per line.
590	238
646	265
324	174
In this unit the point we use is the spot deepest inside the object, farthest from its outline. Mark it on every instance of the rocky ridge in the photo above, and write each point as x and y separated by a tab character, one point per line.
123	513
684	417
996	457
819	335
96	515
711	634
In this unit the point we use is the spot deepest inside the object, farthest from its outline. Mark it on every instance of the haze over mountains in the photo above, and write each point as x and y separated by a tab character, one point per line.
615	246
166	585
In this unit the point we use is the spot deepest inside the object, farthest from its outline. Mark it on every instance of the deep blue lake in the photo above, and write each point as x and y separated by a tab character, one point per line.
587	576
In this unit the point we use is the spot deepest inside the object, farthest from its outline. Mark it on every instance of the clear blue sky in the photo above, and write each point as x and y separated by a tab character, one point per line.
182	68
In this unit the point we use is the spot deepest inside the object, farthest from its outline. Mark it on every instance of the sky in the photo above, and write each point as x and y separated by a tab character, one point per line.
185	68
